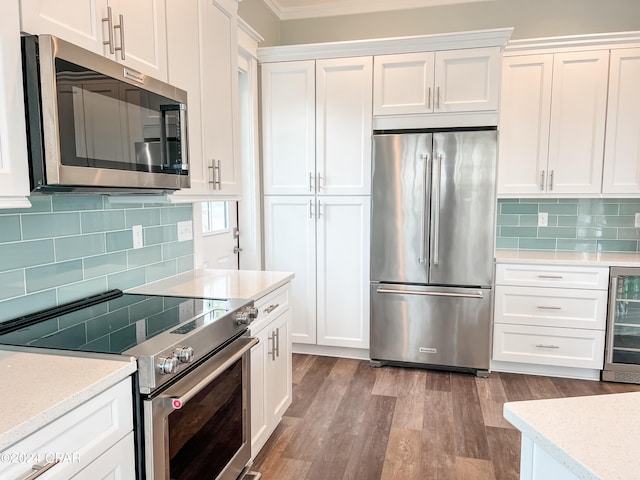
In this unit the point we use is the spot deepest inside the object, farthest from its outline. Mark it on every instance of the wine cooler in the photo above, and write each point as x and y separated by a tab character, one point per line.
622	355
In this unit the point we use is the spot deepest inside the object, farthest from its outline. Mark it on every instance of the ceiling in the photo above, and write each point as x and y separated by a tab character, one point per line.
293	9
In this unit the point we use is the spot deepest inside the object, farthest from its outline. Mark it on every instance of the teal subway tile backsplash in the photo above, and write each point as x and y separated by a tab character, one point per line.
70	246
585	225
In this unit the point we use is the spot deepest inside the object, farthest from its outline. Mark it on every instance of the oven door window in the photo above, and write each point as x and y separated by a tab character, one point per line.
110	124
207	431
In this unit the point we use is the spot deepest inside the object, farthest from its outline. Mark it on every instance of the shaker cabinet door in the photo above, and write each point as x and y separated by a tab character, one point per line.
622	141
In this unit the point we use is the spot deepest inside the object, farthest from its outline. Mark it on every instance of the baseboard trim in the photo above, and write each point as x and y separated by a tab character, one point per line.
343	352
545	370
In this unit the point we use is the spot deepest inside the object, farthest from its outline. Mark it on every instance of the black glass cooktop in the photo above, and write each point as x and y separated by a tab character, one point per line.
111	324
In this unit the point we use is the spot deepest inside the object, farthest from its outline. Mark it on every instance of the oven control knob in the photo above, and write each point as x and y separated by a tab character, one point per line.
168	365
243	317
184	354
253	312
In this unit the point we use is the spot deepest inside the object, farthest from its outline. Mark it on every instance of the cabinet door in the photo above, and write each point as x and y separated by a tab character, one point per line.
117	463
288	127
343	126
290	246
183	44
14	173
525	110
219	94
77	21
278	368
467	80
343	271
403	83
578	114
622	142
143	35
259	418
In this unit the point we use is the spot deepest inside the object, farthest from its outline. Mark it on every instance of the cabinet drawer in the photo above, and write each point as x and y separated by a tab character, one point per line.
563	347
77	438
270	306
594	278
551	307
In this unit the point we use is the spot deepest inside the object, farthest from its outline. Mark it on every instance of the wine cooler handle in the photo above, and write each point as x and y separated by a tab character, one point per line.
611	318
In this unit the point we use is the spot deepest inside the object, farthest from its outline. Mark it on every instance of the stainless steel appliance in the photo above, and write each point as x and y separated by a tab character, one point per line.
193	373
432	244
96	125
622	352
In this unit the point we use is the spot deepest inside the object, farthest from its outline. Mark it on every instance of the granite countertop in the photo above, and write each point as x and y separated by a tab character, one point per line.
210	283
38	388
595	437
604	259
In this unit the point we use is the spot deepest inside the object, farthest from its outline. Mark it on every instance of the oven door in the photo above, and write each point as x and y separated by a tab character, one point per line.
199	427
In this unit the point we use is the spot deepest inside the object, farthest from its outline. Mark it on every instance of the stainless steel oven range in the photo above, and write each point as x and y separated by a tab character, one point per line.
193	385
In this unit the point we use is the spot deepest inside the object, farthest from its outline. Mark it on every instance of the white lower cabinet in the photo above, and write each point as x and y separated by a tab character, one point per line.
551	316
94	440
325	242
271	382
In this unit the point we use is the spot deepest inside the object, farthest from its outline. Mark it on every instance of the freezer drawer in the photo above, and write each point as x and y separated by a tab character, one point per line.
439	326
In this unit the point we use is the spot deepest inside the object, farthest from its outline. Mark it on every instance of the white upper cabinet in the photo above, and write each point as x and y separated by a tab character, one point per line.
465	80
622	141
14	170
133	33
316	118
343	126
578	116
203	60
288	127
553	114
525	112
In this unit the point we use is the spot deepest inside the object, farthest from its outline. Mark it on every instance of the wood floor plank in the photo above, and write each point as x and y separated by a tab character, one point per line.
516	387
350	414
492	398
307	389
333	458
504	450
289	469
409	409
575	388
474	469
300	366
388	381
270	457
541	387
470	436
403	457
438	443
438	380
370	447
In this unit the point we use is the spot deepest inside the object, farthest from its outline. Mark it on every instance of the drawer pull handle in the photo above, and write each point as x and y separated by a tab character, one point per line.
557	277
544	307
41	468
271	308
541	345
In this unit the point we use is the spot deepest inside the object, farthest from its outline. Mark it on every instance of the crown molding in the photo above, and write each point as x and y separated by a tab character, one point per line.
352	7
573	43
380	46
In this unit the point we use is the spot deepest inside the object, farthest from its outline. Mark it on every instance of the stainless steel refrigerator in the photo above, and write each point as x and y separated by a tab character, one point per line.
432	248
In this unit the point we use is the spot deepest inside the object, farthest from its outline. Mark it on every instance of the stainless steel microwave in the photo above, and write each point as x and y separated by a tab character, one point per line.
95	125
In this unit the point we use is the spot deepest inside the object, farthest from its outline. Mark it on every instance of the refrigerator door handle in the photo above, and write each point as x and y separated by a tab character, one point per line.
430	294
436	208
422	256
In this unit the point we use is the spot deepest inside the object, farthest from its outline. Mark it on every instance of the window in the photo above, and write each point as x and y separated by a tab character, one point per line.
215	217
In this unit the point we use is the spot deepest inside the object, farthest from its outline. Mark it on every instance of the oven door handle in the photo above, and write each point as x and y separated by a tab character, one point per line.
174	398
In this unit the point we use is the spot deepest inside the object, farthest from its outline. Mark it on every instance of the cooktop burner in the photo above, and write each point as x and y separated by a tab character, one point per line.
117	325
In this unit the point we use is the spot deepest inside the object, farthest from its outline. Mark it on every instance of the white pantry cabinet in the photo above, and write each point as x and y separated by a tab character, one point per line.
271	366
14	169
133	33
325	242
203	60
464	80
550	317
552	123
316	117
96	436
622	140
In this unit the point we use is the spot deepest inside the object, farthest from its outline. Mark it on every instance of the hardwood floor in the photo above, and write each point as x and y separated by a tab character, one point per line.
350	421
